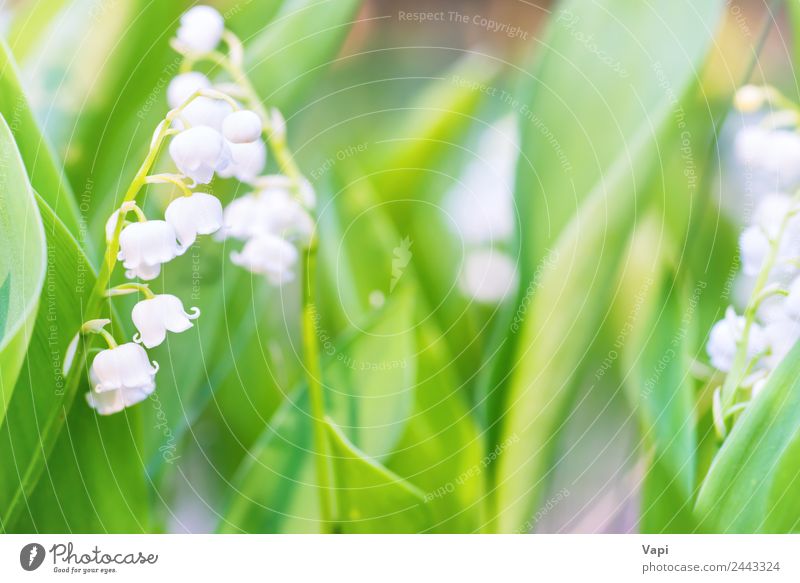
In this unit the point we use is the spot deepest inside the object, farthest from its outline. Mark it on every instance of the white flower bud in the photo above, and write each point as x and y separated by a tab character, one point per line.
781	337
111	225
204	111
749	98
268	255
242	127
247	161
198	152
155	316
726	334
144	246
120	377
198	214
201	29
184	86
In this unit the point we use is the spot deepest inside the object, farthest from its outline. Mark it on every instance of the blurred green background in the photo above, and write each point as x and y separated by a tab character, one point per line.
522	207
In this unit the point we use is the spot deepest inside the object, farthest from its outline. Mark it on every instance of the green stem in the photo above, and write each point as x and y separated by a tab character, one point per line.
315	391
741	364
277	142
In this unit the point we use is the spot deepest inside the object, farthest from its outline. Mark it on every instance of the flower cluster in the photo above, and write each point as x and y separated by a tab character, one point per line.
211	134
747	347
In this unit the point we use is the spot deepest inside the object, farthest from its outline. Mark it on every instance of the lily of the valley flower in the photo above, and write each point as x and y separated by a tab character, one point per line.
198	152
242	127
145	245
184	85
204	111
247	160
201	29
120	377
198	214
725	336
268	255
153	317
273	211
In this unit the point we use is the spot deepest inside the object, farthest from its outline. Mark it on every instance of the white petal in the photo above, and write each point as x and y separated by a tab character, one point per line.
754	246
247	161
147	243
205	111
198	214
184	85
144	272
146	316
111	225
201	29
106	403
242	127
198	151
268	255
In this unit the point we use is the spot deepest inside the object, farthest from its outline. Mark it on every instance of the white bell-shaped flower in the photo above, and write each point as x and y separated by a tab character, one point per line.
247	161
201	29
781	337
725	336
204	111
184	85
145	245
155	316
273	211
120	377
242	127
754	247
198	214
198	152
268	255
123	367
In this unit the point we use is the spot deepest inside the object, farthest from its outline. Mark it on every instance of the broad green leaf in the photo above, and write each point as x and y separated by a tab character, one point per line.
751	485
602	146
372	499
275	489
371	382
662	392
45	173
301	40
441	451
277	479
83	475
22	263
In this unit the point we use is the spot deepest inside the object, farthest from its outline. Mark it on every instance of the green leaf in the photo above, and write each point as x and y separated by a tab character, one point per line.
371	498
751	483
275	489
22	264
302	39
441	451
604	144
45	174
66	469
370	383
663	395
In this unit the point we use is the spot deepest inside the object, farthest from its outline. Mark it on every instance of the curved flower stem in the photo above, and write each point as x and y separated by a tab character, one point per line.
276	137
315	391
